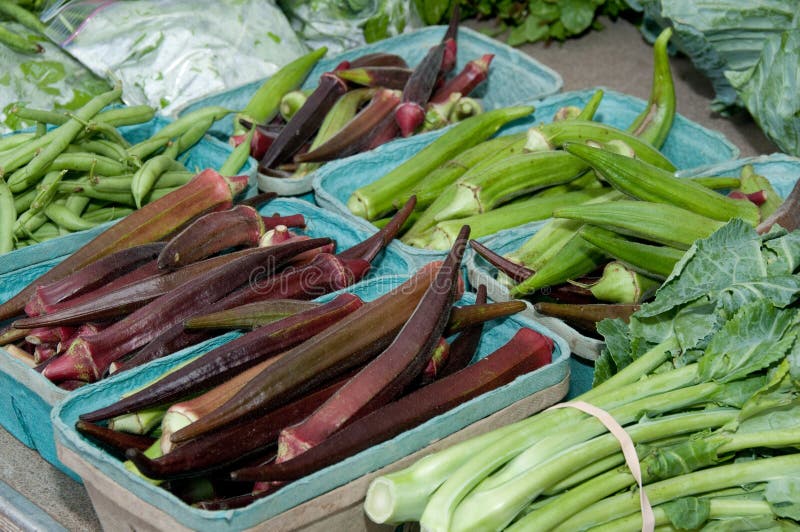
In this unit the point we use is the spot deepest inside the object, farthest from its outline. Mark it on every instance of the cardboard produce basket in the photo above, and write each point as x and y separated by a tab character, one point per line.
26	397
514	77
329	499
782	171
689	145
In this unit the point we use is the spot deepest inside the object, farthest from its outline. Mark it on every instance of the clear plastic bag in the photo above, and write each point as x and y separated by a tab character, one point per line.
49	80
344	24
168	53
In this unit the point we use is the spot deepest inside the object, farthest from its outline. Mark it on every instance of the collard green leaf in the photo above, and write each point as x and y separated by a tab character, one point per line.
604	368
757	336
750	523
783	496
779	394
783	254
730	255
695	322
687	513
616	334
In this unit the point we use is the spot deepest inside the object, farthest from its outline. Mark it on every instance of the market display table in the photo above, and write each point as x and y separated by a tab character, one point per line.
616	57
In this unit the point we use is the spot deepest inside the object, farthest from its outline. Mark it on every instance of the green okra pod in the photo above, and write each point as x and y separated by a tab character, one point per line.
656	222
656	261
619	284
556	134
291	102
517	213
753	182
589	110
8	215
264	104
432	185
646	182
380	197
574	259
654	123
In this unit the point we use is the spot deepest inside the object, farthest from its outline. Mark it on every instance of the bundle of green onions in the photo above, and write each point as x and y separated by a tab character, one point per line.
704	381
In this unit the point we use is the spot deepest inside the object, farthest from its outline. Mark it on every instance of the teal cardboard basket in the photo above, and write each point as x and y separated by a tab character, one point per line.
143	506
26	397
782	171
688	145
514	77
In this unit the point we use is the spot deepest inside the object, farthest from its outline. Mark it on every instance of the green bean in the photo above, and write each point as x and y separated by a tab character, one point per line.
47	231
37	155
106	214
8	215
109	131
159	193
146	176
41	129
103	147
63	217
192	136
9	142
122	198
123	183
32	219
88	162
127	116
17	42
40	115
147	147
77	204
187	121
23	201
238	157
23	16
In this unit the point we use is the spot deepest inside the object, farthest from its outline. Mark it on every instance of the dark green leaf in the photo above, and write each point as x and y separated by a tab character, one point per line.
687	513
783	496
377	28
577	15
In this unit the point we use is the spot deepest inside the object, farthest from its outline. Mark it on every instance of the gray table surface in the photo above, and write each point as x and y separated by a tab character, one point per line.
617	58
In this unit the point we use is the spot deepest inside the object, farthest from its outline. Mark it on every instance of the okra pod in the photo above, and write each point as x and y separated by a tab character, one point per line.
752	182
394	78
265	102
89	357
291	102
227	360
383	59
654	122
380	197
305	122
786	216
652	260
473	74
646	182
355	136
585	317
343	346
417	91
574	259
656	222
212	233
388	374
464	347
556	134
250	316
112	440
507	216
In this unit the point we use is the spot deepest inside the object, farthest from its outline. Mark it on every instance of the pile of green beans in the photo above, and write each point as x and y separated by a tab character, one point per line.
77	170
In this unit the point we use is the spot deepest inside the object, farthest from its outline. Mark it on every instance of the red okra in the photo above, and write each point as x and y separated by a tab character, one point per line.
526	351
387	77
304	123
92	276
208	191
418	89
231	358
385	377
346	345
114	441
464	347
381	59
356	135
473	74
585	317
212	233
89	357
218	450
